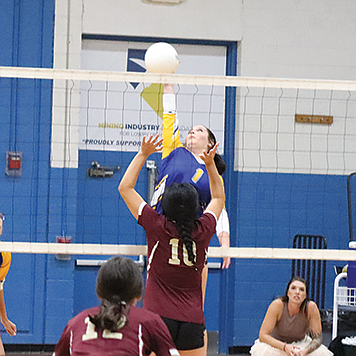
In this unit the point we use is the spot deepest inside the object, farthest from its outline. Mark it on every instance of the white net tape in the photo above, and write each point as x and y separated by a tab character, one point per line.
228	81
135	250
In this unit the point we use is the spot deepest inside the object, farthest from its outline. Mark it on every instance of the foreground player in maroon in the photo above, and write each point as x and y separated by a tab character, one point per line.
117	327
177	248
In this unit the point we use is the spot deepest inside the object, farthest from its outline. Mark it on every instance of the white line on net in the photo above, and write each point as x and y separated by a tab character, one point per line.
67	74
135	250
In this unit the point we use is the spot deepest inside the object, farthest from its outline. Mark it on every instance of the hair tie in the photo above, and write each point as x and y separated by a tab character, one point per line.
121	323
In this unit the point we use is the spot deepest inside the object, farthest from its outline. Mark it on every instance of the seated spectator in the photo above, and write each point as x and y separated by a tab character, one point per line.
291	325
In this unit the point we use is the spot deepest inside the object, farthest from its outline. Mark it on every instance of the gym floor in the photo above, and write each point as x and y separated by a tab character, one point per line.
47	350
36	351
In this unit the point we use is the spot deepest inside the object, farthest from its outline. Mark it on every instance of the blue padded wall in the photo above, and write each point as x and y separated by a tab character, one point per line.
271	209
27	28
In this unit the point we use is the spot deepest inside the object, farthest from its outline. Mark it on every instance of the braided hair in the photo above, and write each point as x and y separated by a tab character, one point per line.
118	283
180	204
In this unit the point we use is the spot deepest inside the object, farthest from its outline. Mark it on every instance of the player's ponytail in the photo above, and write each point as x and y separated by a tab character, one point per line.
180	204
186	236
219	162
118	283
112	315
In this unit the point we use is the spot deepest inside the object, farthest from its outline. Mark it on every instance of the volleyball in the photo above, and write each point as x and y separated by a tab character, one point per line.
161	57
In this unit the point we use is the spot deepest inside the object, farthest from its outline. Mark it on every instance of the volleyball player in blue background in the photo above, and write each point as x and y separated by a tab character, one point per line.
181	164
177	244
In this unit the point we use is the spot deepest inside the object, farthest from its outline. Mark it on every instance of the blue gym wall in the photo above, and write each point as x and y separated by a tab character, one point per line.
26	39
266	210
271	210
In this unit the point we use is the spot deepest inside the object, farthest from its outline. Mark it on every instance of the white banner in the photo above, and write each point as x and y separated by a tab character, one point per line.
115	116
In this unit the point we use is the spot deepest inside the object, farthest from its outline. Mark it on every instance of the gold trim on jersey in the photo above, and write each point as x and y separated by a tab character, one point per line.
6	262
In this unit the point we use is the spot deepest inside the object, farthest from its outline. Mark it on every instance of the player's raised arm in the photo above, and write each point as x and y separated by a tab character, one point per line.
170	124
217	202
128	181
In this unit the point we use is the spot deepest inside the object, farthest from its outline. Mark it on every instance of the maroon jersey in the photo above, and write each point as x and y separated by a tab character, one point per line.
173	288
142	333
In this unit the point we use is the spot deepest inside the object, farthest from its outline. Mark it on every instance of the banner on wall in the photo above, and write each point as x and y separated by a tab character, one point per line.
115	116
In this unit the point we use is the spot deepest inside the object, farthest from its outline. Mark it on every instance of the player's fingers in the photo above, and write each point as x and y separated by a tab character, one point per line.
159	142
226	262
11	331
155	138
213	150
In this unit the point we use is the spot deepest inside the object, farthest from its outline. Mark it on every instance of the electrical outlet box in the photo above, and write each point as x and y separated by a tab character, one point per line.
13	164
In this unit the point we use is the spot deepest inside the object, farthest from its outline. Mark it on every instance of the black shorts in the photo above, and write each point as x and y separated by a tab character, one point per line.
186	336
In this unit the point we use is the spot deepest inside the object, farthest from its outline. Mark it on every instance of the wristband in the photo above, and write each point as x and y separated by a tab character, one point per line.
169	104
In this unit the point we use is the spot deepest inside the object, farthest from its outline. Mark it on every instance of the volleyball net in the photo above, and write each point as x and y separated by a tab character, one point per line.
77	130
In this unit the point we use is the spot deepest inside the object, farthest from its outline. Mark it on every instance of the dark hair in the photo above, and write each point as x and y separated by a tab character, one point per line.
219	162
285	298
180	204
118	283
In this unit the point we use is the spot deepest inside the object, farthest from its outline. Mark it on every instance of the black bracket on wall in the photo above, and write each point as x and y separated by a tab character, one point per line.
97	171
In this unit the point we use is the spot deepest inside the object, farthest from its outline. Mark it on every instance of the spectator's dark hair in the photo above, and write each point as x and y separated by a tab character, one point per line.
180	204
285	298
118	283
219	162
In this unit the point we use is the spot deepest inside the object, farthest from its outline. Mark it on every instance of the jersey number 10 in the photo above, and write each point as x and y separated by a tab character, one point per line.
174	260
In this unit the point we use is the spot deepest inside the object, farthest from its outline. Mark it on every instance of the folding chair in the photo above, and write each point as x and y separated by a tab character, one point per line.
313	271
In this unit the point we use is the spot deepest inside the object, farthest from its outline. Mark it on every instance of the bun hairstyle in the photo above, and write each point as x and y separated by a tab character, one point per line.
180	204
219	162
118	283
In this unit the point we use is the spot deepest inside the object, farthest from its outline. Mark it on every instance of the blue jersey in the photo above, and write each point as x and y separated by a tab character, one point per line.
181	166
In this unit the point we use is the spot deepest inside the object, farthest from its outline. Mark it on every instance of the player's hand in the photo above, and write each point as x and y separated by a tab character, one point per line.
168	88
9	326
298	352
208	157
224	239
151	145
226	262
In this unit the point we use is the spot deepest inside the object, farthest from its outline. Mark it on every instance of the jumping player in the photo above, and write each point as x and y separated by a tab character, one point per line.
5	262
117	327
182	164
177	248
